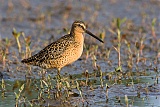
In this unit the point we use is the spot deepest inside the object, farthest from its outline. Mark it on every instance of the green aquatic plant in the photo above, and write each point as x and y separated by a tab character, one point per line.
119	22
18	95
126	100
108	51
4	52
107	87
7	44
153	27
87	76
101	76
3	88
67	88
94	61
27	44
16	36
130	54
4	58
103	34
78	88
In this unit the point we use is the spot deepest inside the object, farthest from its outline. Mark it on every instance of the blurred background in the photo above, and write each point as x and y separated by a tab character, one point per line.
44	18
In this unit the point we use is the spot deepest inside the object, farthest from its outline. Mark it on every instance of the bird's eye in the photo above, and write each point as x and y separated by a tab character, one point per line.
80	25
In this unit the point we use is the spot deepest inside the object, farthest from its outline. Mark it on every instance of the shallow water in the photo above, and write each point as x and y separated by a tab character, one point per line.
148	93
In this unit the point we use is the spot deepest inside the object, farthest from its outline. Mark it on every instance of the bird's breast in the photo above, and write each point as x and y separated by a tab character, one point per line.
76	49
72	52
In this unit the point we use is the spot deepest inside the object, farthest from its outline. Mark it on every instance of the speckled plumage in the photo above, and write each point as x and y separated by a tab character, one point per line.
62	52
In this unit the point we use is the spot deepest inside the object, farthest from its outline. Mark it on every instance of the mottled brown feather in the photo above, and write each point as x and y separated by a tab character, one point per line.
50	52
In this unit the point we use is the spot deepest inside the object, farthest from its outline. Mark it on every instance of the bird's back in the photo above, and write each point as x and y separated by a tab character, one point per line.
46	58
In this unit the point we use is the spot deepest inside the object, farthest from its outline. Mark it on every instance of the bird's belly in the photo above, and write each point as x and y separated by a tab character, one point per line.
68	56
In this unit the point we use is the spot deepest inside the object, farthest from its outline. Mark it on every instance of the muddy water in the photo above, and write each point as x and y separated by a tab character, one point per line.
45	22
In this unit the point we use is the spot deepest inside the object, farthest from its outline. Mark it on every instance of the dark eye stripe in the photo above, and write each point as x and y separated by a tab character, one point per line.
81	26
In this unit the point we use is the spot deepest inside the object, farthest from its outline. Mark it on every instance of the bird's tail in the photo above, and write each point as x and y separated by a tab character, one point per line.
28	61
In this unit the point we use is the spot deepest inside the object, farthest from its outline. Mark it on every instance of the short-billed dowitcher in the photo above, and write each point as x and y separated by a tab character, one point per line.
62	52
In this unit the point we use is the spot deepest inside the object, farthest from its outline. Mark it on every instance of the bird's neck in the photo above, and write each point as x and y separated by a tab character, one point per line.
78	36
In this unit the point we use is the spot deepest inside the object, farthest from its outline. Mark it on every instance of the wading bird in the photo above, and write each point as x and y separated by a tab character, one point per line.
62	52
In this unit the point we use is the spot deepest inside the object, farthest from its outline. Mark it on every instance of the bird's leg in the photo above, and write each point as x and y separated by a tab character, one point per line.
43	72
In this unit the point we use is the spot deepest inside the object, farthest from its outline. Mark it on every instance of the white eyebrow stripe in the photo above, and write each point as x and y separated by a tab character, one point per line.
83	25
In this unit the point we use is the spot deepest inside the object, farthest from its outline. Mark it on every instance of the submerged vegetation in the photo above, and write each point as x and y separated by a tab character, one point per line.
124	71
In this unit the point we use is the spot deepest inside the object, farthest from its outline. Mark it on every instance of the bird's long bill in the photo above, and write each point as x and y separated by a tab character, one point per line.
88	32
